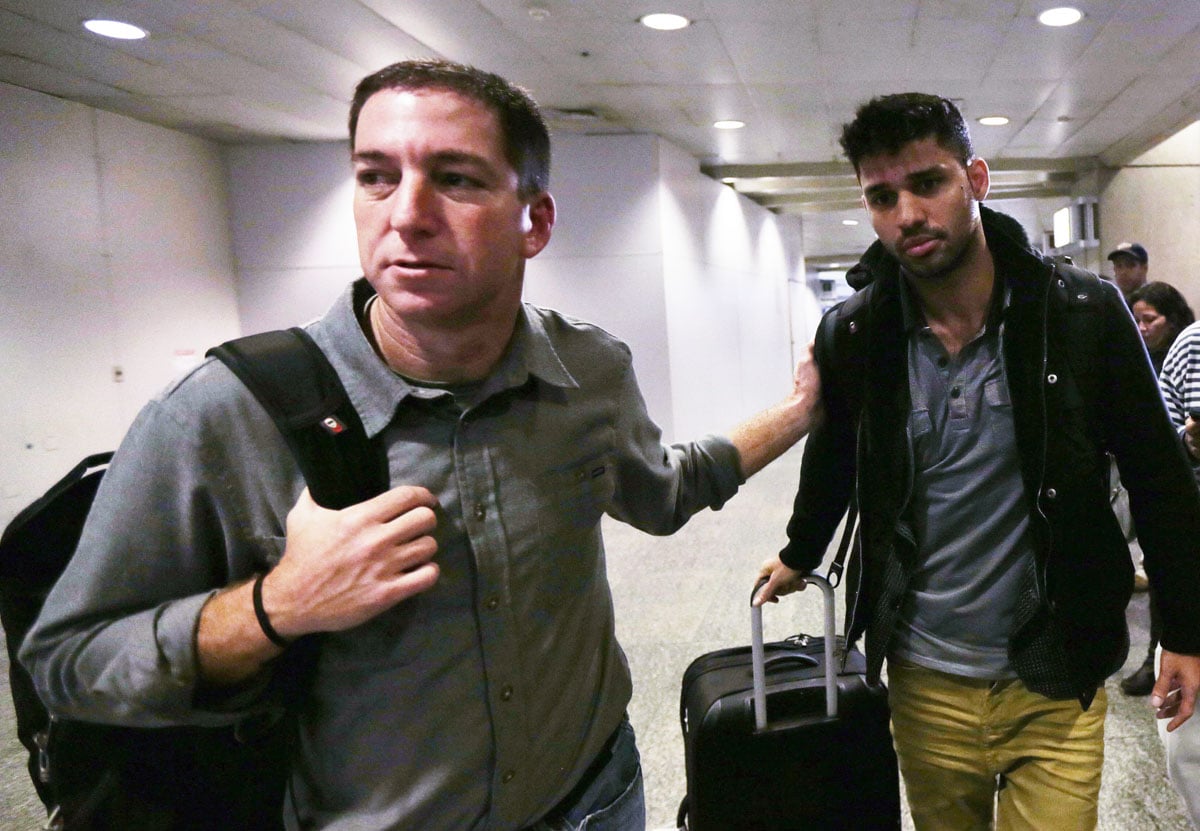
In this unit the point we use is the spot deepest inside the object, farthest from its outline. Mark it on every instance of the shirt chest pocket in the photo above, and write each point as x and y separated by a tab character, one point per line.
554	506
582	491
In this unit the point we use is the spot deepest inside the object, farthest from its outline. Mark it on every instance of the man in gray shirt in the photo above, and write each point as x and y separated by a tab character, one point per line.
468	675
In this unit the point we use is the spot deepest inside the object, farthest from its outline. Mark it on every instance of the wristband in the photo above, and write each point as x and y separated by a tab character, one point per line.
264	621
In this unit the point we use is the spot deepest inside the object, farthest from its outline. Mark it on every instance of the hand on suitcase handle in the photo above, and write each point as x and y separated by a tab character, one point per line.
758	657
775	579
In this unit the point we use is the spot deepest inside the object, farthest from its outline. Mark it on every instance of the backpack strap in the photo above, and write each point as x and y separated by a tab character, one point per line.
293	380
840	348
1082	296
838	565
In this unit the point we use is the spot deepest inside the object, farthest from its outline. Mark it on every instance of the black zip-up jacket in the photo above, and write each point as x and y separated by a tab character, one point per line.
1081	386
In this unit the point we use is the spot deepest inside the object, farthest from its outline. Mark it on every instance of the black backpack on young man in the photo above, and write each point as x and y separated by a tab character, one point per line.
98	777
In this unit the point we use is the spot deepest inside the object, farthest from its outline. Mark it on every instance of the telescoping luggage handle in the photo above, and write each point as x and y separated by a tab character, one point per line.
758	659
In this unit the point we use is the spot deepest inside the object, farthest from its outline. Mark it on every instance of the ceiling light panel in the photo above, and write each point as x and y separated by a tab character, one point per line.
664	21
1060	16
115	29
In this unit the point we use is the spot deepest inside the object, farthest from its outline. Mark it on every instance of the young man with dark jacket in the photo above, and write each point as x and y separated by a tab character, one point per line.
972	389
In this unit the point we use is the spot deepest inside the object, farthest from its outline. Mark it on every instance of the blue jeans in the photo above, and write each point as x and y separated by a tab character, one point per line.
615	799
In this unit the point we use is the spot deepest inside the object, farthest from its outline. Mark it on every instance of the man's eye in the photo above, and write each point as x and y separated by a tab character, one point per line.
881	200
372	179
455	179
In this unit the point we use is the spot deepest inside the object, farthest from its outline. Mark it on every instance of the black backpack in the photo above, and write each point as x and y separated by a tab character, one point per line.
99	777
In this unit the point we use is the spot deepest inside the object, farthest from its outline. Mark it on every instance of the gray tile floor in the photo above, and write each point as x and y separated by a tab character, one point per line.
680	596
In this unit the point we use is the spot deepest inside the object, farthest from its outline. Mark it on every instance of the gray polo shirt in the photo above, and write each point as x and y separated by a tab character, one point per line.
475	705
968	510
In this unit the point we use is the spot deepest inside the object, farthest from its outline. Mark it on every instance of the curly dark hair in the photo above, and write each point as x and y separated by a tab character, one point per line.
886	123
526	137
1167	301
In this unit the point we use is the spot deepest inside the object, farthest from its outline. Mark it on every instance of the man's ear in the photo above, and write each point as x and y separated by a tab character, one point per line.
541	213
980	178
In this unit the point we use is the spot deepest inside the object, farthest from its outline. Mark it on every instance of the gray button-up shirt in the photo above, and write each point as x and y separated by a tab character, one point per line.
475	705
968	511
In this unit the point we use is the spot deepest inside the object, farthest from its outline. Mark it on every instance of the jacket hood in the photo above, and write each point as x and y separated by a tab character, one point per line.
996	227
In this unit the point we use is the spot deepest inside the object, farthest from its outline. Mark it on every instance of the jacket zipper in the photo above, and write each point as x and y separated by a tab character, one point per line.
1040	562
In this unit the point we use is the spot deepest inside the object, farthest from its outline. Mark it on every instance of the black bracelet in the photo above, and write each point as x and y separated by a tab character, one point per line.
264	621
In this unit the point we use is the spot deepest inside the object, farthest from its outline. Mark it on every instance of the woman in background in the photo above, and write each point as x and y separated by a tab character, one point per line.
1161	313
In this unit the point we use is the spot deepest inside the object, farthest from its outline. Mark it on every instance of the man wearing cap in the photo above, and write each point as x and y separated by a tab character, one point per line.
1130	264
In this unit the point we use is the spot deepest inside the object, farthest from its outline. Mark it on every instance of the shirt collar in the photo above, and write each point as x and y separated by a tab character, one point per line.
376	392
914	318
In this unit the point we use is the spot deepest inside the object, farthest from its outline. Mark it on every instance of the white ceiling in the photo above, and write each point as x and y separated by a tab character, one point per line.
1097	93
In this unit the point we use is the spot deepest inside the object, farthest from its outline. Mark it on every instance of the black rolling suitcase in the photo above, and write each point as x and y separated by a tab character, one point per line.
818	755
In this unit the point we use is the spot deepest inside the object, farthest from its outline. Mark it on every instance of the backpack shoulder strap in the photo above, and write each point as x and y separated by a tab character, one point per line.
1083	326
294	381
841	340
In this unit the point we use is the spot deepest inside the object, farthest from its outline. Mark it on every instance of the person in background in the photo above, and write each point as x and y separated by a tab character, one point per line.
1131	265
1161	313
468	674
991	575
1180	384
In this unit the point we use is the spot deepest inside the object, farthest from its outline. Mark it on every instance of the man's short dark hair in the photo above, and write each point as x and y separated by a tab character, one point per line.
886	123
525	135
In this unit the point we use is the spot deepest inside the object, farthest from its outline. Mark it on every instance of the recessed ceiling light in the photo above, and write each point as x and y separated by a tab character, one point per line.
664	22
994	120
849	222
1061	16
115	29
538	12
728	180
729	124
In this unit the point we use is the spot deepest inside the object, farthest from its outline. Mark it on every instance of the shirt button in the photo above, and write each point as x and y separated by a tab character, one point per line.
508	776
506	694
1051	493
480	511
493	604
1051	378
956	392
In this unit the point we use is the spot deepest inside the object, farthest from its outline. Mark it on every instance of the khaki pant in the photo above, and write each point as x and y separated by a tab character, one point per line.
991	754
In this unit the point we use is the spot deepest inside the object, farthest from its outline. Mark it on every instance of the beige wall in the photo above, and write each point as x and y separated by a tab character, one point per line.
1155	200
115	273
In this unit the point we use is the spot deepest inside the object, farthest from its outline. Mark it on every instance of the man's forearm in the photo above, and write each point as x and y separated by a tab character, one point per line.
230	645
763	438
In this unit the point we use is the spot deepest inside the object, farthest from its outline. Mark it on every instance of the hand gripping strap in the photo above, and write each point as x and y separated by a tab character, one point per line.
294	381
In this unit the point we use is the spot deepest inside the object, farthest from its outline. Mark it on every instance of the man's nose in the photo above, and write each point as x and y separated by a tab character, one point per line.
910	211
413	204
